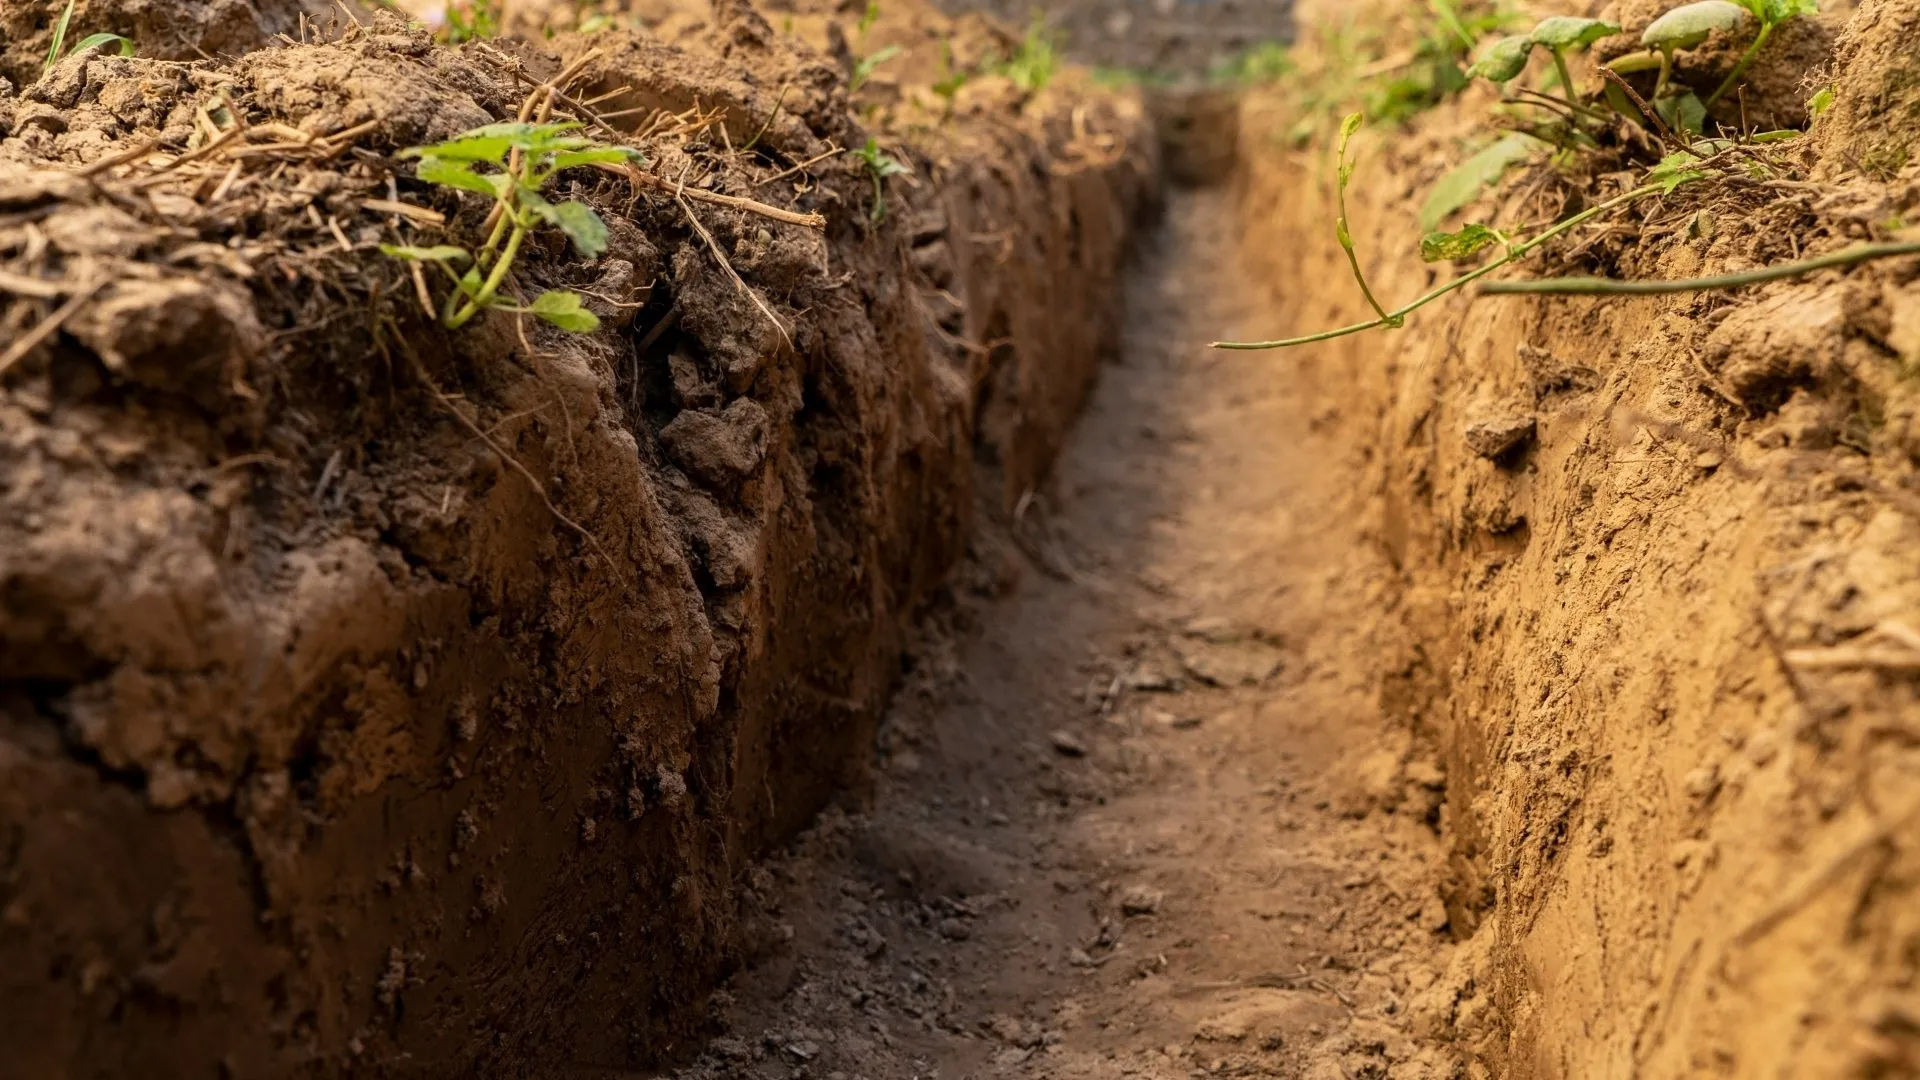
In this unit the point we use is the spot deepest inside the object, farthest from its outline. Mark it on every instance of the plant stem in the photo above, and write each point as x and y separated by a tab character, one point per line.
1566	77
1746	61
1513	254
1666	72
1588	286
483	299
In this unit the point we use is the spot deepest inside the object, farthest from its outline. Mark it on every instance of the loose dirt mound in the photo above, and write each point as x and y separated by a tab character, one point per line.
373	693
1664	561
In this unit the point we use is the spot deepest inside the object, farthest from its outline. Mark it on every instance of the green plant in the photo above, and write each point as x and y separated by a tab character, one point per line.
473	20
1692	24
1264	63
863	70
1032	64
523	158
1469	240
868	17
54	50
880	165
1560	35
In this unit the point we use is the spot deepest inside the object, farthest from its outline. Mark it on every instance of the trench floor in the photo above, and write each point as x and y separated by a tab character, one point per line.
1139	811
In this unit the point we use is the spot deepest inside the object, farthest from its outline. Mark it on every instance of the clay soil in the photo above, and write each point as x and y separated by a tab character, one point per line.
892	646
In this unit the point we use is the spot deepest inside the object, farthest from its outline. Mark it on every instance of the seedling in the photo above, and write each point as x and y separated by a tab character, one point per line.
863	70
1468	241
868	17
1560	35
54	50
1771	14
880	165
1031	66
471	21
524	157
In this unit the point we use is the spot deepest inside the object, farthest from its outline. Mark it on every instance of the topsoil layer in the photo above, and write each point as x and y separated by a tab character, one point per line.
386	699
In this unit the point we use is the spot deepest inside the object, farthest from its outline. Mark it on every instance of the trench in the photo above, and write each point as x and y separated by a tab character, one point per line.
1137	811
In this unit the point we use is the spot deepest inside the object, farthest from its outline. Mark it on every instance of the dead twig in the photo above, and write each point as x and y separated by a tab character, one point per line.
738	283
32	339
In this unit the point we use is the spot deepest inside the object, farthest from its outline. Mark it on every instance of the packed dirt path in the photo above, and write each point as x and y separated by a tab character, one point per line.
1137	812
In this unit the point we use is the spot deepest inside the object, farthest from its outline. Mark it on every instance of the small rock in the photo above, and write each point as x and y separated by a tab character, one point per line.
1141	900
1068	744
954	929
1496	438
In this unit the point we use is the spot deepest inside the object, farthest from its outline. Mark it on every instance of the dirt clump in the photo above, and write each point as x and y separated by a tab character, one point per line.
374	697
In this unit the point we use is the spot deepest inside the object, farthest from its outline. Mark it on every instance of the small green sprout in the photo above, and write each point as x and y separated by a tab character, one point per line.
474	20
868	17
864	70
1032	64
55	51
1687	26
523	158
1507	58
1819	103
880	165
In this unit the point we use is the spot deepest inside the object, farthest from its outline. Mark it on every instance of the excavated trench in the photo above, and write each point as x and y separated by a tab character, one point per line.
891	645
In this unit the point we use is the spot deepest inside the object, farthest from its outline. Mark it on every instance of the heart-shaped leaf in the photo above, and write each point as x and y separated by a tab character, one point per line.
1469	241
1563	32
1504	60
562	308
1683	113
1690	24
576	219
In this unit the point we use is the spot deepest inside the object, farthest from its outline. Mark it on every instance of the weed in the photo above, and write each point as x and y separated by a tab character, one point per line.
864	70
524	157
1470	240
1032	64
473	20
54	50
880	165
1267	62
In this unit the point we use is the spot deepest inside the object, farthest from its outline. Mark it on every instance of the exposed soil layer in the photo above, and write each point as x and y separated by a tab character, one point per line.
1526	692
379	699
1141	811
1660	560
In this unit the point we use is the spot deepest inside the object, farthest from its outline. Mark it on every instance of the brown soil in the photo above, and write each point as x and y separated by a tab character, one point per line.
1139	813
1528	692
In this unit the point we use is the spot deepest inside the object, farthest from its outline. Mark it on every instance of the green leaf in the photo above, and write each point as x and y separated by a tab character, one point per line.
59	36
1504	60
1683	113
599	155
454	174
1690	24
562	308
1568	32
1464	183
1779	11
864	70
576	219
1674	170
1819	103
492	141
1468	242
439	253
95	40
